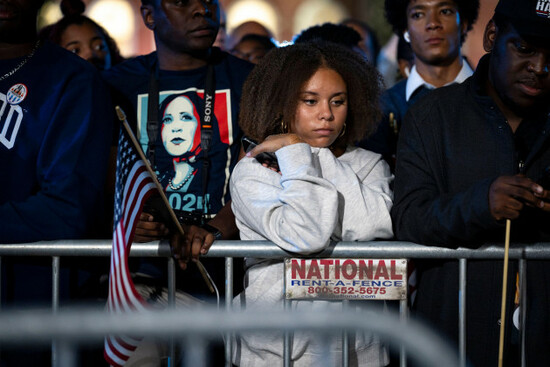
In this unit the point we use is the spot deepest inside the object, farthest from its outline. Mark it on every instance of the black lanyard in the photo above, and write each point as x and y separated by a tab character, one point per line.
207	120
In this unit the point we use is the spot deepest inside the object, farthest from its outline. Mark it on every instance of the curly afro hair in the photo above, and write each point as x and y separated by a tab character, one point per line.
271	91
396	13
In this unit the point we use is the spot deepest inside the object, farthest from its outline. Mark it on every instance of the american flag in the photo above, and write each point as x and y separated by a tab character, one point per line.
133	186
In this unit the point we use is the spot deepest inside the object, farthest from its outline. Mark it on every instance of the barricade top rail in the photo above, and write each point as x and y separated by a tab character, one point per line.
266	249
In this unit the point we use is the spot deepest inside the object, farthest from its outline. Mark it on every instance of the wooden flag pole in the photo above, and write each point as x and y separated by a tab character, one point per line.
122	117
504	287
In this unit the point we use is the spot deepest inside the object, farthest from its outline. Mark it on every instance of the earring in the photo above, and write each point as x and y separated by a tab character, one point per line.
284	126
343	131
407	36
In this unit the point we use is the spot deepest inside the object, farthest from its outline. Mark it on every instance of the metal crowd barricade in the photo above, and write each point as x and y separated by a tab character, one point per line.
31	328
263	249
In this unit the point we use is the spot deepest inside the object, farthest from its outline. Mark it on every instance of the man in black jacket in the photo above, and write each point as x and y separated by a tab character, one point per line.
471	156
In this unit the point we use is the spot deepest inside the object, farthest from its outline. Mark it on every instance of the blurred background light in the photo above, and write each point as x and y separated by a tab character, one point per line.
314	12
117	16
258	10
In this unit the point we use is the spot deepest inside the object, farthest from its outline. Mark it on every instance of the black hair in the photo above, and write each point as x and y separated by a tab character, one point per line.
73	14
370	31
272	90
396	14
330	32
265	41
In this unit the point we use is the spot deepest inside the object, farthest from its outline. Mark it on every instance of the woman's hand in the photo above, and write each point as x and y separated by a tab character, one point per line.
264	152
273	143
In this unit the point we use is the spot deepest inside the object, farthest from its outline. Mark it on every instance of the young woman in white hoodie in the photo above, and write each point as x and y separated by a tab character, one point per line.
307	104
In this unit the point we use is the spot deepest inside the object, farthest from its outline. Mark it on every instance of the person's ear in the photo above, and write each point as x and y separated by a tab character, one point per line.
147	14
489	36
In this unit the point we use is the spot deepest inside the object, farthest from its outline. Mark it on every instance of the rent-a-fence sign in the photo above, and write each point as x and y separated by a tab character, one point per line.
353	279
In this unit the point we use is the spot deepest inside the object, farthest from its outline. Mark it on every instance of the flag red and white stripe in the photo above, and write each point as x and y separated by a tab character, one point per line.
133	186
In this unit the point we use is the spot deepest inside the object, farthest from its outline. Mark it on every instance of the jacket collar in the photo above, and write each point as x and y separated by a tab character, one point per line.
415	81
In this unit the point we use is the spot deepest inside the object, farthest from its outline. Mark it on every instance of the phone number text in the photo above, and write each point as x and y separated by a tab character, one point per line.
346	290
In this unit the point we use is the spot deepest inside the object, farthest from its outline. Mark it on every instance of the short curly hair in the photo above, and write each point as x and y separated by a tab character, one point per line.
271	91
396	13
330	32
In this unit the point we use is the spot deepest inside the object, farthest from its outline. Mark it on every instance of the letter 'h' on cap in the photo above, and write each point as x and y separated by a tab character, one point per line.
530	18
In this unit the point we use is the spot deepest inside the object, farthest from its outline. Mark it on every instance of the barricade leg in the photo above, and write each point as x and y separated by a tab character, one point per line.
228	307
55	303
345	338
462	312
287	350
67	354
171	304
195	351
326	357
0	296
403	316
523	306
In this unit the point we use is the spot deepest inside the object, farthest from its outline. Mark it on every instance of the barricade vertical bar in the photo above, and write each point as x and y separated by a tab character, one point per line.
171	304
228	307
195	351
522	306
326	357
0	295
171	282
55	302
345	338
67	355
0	282
286	346
403	316
462	312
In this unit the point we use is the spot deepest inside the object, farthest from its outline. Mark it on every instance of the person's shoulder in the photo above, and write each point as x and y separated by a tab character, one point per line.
354	152
64	61
128	76
361	156
135	66
365	162
446	99
398	88
236	65
394	97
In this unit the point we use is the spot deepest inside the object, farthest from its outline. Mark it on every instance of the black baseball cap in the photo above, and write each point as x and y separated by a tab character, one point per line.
530	18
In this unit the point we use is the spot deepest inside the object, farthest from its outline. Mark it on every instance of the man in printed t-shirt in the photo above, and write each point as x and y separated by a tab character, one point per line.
174	79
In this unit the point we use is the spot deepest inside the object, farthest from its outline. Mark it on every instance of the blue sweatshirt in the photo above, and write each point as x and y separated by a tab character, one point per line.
55	134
